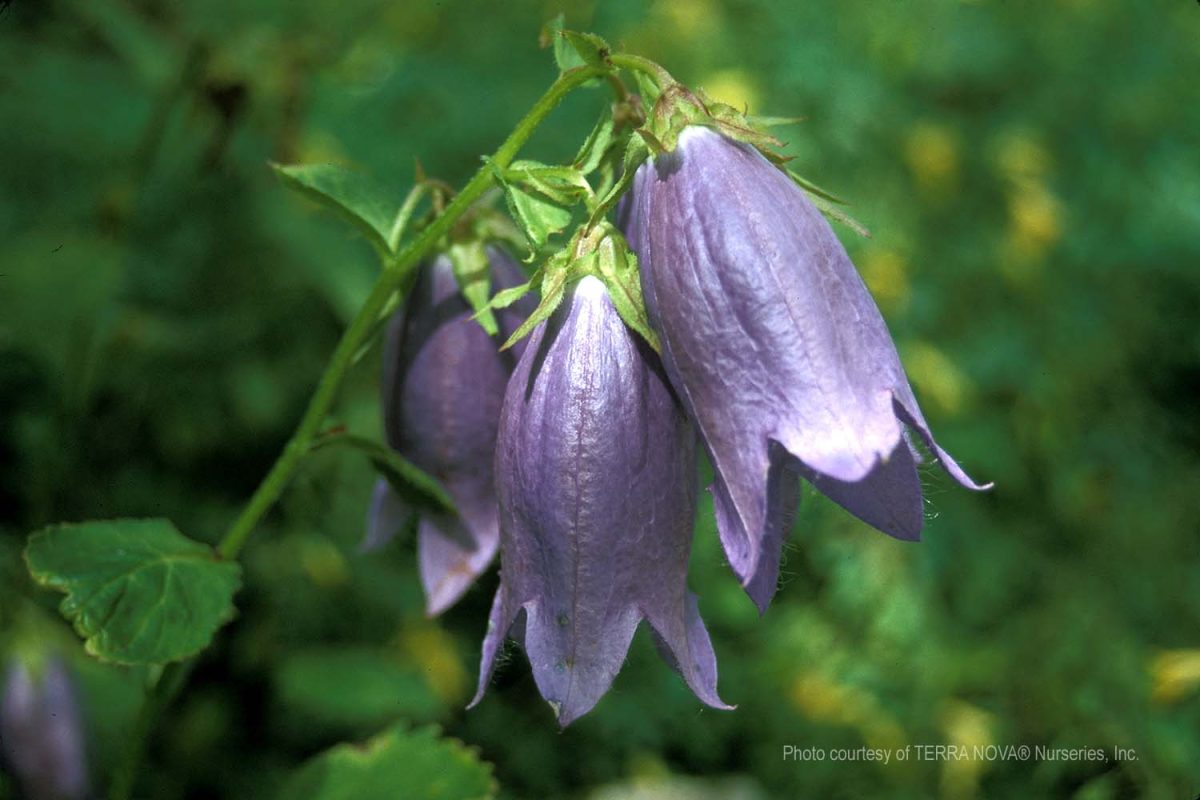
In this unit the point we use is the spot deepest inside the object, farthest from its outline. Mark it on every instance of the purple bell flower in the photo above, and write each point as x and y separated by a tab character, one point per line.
596	482
443	383
776	349
41	734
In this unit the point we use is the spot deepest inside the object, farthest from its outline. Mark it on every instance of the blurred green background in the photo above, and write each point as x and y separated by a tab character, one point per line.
1031	174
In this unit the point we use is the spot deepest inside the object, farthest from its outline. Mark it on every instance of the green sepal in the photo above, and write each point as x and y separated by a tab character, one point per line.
472	270
758	121
597	144
552	287
828	203
636	152
617	266
598	250
506	297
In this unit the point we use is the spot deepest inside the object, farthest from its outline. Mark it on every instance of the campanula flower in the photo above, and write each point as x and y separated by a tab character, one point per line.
443	383
41	733
776	350
595	465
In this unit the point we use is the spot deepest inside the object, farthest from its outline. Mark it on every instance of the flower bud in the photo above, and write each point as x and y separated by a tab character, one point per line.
776	349
596	481
443	383
41	735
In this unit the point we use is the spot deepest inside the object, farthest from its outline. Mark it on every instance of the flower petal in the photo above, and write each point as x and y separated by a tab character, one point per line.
385	517
596	481
443	386
769	335
888	497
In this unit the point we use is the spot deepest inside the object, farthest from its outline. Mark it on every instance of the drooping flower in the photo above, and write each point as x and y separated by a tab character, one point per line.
776	349
443	383
41	733
596	482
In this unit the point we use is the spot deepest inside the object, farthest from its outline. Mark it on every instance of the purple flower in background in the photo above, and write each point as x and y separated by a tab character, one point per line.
776	349
41	735
443	383
596	482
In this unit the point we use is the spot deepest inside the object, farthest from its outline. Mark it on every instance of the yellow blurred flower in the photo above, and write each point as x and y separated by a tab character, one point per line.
687	19
323	562
431	648
1175	673
937	377
1035	217
1019	156
821	699
969	728
732	87
886	275
932	153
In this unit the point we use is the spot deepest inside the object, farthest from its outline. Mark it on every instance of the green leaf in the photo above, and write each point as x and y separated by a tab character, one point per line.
647	88
597	144
539	218
352	687
617	266
506	297
553	288
350	194
591	49
563	185
472	270
138	591
565	56
415	486
395	765
636	153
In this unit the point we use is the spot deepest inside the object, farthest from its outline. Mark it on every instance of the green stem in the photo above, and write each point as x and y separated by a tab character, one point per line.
391	279
170	681
644	65
394	277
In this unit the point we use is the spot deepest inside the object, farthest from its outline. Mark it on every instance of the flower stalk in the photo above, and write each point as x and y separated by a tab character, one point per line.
395	277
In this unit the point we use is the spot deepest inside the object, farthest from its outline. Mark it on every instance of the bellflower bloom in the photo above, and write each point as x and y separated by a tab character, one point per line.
443	383
41	734
596	472
776	349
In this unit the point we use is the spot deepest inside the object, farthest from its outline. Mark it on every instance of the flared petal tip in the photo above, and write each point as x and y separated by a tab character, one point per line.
913	419
438	604
386	515
760	588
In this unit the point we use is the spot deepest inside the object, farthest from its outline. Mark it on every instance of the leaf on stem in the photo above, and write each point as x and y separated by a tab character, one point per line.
531	202
573	49
617	267
353	196
138	591
472	270
597	144
415	487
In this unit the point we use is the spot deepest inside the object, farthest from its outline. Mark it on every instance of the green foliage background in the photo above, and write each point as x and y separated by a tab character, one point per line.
1031	174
